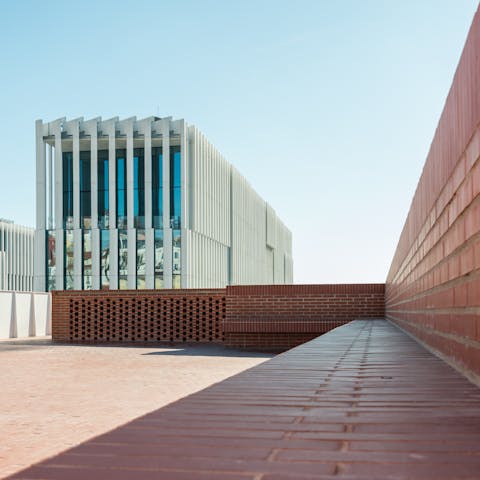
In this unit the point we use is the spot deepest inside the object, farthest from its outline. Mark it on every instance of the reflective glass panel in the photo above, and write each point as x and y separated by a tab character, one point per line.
105	259
103	203
175	188
138	188
67	173
158	258
51	263
176	259
141	259
87	260
157	187
68	266
122	259
85	191
121	190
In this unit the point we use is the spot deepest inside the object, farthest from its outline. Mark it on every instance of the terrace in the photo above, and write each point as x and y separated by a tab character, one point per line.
364	401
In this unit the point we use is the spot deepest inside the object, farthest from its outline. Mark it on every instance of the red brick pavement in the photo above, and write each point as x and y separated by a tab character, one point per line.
363	401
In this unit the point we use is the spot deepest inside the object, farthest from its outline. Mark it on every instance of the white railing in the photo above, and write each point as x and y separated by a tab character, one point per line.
25	314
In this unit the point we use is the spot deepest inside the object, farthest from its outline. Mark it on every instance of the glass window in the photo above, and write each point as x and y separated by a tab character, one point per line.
122	259
67	166
68	266
158	258
85	191
87	260
175	167
121	190
139	188
141	264
157	187
176	214
103	203
177	259
175	207
51	262
175	188
105	259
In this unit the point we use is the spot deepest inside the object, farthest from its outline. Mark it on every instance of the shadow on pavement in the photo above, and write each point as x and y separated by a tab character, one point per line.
207	351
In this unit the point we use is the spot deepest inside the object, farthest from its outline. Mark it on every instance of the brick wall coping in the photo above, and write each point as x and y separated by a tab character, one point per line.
364	401
126	293
306	289
294	289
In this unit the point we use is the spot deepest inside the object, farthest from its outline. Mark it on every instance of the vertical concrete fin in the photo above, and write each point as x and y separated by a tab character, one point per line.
13	317
48	324
32	328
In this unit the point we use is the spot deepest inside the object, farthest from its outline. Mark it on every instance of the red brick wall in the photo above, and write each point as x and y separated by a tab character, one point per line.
279	317
433	287
138	316
264	318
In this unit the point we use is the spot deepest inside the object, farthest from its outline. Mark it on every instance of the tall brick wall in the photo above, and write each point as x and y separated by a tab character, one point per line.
433	287
138	316
279	317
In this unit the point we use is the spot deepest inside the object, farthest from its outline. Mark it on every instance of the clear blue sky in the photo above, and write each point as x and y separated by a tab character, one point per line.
327	107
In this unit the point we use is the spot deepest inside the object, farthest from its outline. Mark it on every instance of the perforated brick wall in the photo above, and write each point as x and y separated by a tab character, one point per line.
278	317
138	316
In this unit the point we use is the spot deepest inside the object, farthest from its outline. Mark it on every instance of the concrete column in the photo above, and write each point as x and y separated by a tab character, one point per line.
40	232
129	160
48	328
3	271
149	231
40	262
7	260
13	317
41	177
112	189
167	235
32	327
131	234
77	232
147	132
91	128
112	177
50	187
184	159
59	236
75	131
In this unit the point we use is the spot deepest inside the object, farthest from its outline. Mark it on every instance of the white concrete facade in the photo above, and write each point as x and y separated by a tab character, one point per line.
16	256
170	212
25	314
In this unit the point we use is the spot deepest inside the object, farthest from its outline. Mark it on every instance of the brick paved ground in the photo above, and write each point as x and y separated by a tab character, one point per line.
53	397
364	401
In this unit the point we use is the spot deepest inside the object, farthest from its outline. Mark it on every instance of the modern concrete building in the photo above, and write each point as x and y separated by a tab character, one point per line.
16	256
148	204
